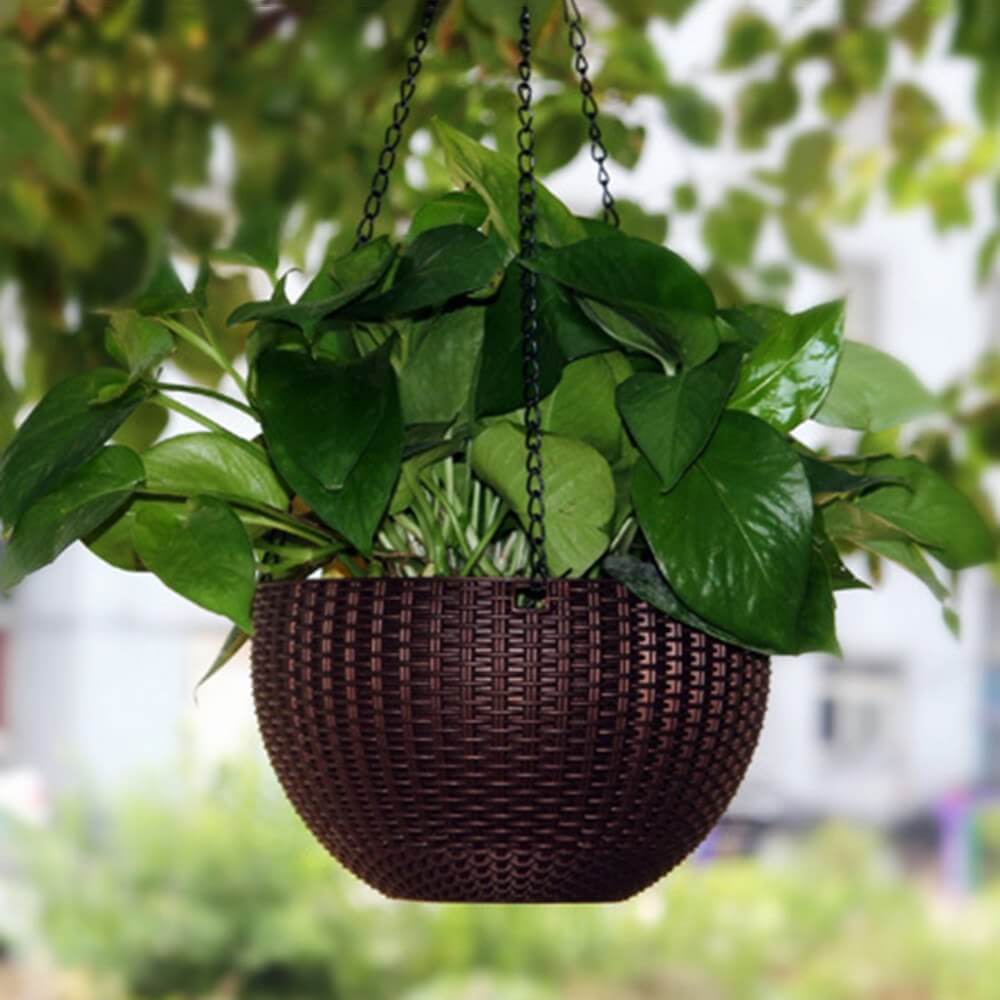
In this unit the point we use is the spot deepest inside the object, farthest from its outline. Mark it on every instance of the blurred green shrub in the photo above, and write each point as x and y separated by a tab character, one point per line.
216	892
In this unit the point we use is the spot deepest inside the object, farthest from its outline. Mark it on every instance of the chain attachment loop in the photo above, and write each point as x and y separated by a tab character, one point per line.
591	111
394	133
528	216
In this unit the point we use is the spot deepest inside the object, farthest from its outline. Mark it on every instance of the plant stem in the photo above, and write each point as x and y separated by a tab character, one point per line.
206	348
209	333
210	393
185	411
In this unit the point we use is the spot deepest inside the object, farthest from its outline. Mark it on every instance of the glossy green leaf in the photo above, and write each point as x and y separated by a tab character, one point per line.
672	418
201	551
321	413
207	463
495	180
647	583
67	427
583	404
932	511
457	208
789	373
579	492
817	626
734	536
628	273
872	391
138	344
438	266
84	501
357	509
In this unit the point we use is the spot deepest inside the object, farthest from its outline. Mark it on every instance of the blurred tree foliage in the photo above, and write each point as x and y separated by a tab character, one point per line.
113	111
219	893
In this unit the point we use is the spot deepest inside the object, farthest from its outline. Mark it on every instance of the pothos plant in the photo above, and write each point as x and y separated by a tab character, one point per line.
391	435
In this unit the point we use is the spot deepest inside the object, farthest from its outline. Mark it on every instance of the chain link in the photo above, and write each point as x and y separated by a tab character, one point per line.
599	152
394	133
527	210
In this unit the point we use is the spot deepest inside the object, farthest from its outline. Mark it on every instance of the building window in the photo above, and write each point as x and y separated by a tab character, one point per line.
859	709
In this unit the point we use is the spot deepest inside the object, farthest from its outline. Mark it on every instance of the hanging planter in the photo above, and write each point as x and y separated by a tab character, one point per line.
445	743
524	522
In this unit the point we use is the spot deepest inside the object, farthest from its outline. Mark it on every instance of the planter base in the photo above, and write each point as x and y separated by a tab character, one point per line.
447	745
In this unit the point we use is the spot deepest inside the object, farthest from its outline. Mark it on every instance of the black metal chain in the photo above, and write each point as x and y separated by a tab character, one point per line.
599	152
528	215
394	133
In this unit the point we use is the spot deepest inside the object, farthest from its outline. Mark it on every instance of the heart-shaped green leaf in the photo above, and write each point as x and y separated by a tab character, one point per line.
357	509
733	537
872	391
67	427
672	418
322	414
579	492
201	550
83	502
437	267
789	373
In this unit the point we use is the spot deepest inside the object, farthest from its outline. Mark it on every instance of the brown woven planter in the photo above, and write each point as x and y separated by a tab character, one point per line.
445	744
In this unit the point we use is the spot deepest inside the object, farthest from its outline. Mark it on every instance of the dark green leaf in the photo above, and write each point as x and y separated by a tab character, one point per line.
200	550
67	427
438	266
872	391
579	492
351	278
647	583
672	418
789	373
356	510
440	368
258	239
323	414
85	500
830	481
734	536
817	631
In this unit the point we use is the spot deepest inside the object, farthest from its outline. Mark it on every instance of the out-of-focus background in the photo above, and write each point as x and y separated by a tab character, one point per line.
796	149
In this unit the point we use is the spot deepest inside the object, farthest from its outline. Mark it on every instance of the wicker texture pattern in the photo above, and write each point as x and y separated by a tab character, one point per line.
445	744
